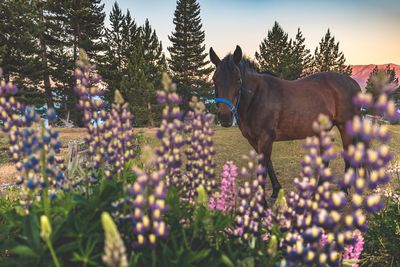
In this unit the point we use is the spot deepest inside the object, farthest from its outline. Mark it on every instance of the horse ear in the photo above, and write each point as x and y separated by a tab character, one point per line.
237	55
214	58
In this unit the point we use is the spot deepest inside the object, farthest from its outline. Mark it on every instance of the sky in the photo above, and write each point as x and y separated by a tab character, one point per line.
368	30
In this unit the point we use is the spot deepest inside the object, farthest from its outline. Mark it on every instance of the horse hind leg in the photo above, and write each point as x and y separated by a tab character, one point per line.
265	145
346	141
325	162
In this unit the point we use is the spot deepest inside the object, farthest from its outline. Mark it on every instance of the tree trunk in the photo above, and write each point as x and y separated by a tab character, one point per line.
46	74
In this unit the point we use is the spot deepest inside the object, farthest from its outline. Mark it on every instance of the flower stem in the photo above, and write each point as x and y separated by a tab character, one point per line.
153	257
43	163
53	254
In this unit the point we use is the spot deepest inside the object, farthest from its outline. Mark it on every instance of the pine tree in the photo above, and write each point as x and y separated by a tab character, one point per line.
327	56
188	63
370	87
379	78
134	85
300	58
155	65
274	53
86	23
33	58
119	43
287	58
53	40
85	29
18	48
130	34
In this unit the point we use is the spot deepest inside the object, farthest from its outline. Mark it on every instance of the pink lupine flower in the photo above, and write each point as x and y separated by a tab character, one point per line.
323	240
211	203
353	252
226	198
267	224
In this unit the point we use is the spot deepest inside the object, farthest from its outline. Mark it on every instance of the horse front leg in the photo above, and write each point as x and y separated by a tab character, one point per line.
276	186
265	146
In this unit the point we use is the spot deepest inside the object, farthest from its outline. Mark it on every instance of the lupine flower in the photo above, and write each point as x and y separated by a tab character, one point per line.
114	248
109	136
34	149
200	165
94	115
251	199
313	209
148	194
45	234
226	198
45	228
320	228
393	171
119	137
382	104
353	251
170	133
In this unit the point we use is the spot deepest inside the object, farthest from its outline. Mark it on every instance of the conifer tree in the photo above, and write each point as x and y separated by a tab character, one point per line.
287	58
143	77
35	54
188	63
300	58
274	53
155	65
53	40
379	78
327	56
119	43
85	27
370	87
86	24
18	48
134	85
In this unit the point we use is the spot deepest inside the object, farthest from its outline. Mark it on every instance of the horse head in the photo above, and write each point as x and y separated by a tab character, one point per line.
228	85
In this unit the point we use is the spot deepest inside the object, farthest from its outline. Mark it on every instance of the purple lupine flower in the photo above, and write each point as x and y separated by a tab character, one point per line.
315	209
200	165
251	199
363	100
34	150
170	134
110	136
95	118
148	207
226	199
119	137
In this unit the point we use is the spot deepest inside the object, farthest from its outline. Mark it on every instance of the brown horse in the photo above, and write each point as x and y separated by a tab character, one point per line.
270	109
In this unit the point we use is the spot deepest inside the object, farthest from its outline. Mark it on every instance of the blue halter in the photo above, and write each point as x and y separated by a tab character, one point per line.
234	109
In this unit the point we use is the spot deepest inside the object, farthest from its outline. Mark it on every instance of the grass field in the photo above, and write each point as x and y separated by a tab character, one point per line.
229	144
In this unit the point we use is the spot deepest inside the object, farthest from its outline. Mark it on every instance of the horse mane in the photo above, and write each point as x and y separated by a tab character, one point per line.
246	65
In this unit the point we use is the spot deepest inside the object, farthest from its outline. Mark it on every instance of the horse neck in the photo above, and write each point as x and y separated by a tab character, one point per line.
248	95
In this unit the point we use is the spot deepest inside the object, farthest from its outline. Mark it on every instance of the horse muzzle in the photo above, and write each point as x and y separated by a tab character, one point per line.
226	119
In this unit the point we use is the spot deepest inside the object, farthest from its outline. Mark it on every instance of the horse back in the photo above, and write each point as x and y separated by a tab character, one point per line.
304	99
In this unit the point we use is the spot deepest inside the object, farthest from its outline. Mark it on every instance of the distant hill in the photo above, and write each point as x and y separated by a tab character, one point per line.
361	72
